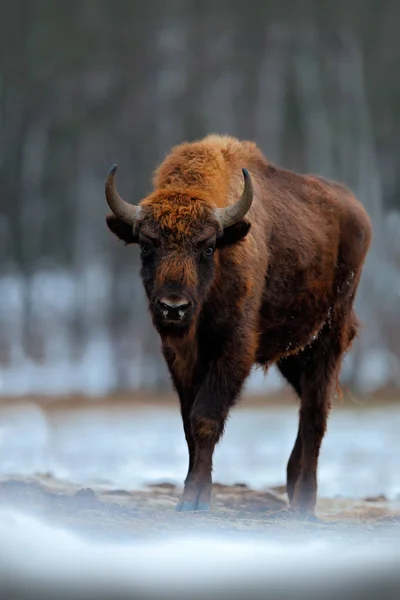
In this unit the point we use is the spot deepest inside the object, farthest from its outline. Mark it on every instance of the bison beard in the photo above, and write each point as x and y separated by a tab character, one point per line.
240	274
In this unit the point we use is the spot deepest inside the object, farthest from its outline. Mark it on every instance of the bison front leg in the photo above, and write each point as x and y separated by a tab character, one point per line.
186	401
208	415
198	484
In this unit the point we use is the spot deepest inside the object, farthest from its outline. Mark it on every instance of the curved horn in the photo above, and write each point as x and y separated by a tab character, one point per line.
232	214
128	213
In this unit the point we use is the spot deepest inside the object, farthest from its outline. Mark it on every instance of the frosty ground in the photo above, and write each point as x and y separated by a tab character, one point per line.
108	477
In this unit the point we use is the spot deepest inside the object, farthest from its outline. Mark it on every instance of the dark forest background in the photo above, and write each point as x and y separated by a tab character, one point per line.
85	84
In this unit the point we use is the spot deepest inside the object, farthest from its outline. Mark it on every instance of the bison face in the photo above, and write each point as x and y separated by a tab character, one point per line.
180	238
176	278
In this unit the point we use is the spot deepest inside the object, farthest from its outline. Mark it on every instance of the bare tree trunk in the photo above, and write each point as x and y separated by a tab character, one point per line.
376	298
269	109
313	106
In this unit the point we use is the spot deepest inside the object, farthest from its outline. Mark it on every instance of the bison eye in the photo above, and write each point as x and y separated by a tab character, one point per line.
145	249
208	252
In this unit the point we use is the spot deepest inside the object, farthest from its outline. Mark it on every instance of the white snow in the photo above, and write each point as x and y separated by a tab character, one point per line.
130	448
36	555
49	302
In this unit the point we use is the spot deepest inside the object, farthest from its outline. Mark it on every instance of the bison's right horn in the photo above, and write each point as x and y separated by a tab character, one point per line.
128	213
232	214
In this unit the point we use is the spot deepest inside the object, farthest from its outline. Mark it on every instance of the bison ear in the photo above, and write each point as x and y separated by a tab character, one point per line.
233	234
121	230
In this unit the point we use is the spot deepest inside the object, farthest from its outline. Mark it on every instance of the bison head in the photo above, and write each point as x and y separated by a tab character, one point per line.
180	236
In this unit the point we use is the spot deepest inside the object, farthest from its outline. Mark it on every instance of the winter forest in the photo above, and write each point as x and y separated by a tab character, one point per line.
85	84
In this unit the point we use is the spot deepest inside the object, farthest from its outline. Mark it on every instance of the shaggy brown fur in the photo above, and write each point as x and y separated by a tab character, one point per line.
278	288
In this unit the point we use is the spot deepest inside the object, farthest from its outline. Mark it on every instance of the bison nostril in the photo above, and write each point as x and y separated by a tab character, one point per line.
173	308
179	303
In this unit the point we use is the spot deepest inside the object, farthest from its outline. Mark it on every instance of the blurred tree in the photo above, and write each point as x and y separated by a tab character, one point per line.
86	84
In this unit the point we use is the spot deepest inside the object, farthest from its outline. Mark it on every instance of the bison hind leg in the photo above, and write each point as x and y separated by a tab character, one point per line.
290	368
313	373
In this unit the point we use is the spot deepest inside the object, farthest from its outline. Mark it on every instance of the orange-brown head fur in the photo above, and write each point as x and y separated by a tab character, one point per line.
178	216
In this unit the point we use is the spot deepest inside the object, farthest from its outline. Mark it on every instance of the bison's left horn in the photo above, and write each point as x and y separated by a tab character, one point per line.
232	214
128	213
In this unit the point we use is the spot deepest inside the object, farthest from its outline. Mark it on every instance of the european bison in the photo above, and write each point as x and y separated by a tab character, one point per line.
246	263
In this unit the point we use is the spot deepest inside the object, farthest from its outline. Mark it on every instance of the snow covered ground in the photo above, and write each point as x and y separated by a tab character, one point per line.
129	448
38	560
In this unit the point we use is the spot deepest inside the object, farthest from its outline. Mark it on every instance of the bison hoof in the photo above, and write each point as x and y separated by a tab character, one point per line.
195	498
303	515
190	506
